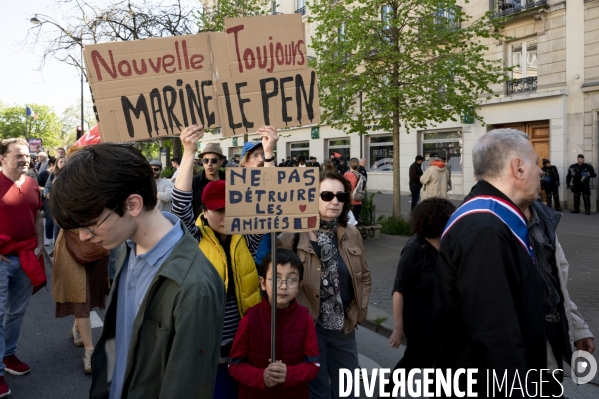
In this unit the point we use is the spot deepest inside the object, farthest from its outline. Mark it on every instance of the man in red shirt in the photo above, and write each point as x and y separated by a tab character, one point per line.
21	243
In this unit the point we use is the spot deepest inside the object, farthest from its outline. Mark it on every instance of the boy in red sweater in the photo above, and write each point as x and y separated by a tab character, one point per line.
297	346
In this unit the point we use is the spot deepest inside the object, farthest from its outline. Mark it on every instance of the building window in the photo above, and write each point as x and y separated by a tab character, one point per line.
380	153
300	148
301	7
447	18
276	7
339	148
386	15
235	151
447	144
524	60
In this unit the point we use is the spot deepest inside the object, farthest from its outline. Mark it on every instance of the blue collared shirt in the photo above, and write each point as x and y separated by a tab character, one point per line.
135	279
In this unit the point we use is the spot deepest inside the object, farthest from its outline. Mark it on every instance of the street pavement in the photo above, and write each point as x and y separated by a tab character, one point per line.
56	364
46	345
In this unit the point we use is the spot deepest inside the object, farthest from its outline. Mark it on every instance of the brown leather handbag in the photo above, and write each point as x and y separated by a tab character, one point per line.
83	251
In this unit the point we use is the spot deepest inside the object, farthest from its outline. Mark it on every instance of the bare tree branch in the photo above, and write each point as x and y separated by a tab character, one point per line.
85	23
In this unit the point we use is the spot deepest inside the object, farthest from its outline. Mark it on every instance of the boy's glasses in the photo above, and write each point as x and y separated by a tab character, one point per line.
328	196
290	282
212	161
156	169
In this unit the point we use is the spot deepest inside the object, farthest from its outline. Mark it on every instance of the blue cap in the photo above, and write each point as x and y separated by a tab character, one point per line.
249	146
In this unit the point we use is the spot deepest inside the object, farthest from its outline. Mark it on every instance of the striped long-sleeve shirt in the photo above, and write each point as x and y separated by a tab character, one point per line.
181	207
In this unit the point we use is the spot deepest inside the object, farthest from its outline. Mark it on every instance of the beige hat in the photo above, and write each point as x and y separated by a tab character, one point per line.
212	148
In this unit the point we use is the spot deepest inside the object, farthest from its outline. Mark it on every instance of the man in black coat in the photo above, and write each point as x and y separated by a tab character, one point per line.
550	183
489	294
578	179
415	185
314	163
342	167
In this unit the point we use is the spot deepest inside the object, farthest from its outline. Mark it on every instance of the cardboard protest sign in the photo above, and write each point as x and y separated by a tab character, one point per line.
261	200
269	82
253	74
284	99
152	88
265	44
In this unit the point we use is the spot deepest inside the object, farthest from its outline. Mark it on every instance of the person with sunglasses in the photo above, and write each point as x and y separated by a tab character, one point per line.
336	284
164	187
233	256
211	158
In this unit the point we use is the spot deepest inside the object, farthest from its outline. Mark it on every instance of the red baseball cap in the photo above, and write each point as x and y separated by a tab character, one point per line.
213	196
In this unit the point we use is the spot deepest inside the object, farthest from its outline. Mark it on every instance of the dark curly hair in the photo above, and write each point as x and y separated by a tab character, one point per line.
333	175
429	218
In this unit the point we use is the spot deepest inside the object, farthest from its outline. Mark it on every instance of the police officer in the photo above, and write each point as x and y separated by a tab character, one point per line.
579	175
550	183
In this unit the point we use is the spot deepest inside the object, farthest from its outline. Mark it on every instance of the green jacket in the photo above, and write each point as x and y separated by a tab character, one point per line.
176	338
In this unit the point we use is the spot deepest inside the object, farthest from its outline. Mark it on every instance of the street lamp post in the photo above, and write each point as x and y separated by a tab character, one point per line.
80	133
79	40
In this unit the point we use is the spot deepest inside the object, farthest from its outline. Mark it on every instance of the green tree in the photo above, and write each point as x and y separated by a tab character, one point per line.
71	118
410	62
45	127
212	18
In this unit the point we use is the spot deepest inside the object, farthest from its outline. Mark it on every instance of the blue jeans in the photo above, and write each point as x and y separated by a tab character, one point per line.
15	293
337	350
415	197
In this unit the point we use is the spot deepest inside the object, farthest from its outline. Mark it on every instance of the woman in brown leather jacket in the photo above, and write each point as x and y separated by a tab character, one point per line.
336	282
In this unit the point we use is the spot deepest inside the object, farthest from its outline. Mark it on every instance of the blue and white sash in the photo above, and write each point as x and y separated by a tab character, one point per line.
505	211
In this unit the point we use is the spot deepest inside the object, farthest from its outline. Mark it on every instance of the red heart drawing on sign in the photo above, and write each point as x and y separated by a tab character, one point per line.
303	208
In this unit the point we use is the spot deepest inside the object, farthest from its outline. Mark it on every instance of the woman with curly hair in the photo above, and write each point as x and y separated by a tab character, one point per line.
414	284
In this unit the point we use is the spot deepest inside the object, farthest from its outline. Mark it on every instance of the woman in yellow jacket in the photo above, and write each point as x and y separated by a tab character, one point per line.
231	255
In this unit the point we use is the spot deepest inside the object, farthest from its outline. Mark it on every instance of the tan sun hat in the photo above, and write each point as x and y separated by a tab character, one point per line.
212	148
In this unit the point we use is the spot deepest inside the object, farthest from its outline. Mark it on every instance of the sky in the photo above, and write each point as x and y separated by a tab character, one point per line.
21	82
57	84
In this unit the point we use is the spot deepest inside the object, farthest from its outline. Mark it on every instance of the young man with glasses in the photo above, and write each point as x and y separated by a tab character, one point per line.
163	324
164	187
211	159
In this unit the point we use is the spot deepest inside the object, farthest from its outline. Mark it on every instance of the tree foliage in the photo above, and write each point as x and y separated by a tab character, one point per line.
71	118
212	18
45	127
392	62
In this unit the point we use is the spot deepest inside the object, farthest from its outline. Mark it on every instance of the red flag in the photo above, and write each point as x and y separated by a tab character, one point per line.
89	138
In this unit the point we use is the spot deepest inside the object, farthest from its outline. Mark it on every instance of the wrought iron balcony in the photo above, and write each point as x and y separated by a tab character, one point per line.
502	8
522	85
301	10
447	18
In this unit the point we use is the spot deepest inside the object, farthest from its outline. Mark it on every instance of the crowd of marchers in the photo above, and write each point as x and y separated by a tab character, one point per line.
189	306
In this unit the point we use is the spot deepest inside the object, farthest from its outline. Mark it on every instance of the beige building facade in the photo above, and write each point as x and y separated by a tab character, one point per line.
553	96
